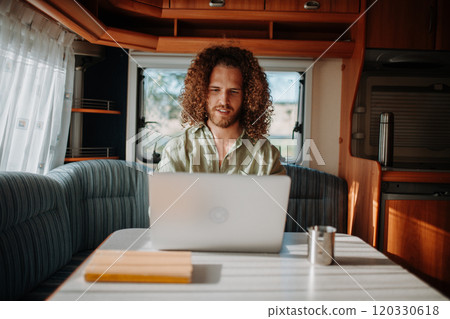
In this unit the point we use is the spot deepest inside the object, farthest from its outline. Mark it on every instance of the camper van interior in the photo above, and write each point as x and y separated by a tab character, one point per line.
89	97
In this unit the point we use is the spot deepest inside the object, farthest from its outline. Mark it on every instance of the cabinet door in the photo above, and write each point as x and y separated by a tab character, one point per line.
155	3
401	24
417	235
215	4
443	25
345	6
299	5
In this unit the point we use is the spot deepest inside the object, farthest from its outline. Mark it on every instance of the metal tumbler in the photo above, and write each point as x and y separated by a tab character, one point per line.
386	139
321	244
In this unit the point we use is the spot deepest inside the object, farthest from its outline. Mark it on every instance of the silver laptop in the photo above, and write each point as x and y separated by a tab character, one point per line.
218	212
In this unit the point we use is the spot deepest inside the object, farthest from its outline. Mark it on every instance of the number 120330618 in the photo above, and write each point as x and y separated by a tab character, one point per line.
405	310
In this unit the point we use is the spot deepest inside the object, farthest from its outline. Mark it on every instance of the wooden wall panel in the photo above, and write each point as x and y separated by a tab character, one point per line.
363	176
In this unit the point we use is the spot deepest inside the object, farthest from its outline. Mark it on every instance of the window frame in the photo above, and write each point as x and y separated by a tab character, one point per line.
138	59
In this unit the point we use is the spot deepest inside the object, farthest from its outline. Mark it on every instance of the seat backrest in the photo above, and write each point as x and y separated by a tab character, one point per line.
103	196
35	236
316	198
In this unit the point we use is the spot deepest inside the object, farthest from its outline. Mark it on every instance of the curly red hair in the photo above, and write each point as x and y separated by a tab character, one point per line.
256	109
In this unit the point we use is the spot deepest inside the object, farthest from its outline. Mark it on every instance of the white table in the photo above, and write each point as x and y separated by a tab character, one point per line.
362	273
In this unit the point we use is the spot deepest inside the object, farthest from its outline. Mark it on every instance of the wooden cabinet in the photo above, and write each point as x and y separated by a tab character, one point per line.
187	26
337	6
345	6
417	235
408	24
217	4
443	26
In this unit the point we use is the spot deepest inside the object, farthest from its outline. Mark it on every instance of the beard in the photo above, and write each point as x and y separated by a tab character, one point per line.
222	121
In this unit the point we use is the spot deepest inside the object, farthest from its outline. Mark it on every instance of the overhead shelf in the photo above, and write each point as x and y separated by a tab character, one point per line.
76	151
94	106
85	110
89	153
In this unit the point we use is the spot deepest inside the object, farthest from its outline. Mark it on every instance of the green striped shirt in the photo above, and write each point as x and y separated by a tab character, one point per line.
194	151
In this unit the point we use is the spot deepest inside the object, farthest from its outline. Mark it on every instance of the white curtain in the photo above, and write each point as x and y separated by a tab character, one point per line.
36	87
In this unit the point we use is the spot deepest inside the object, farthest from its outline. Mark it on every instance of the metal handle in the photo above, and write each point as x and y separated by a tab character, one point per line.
311	5
217	3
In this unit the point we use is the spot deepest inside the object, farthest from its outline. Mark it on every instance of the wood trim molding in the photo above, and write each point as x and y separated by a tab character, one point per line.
259	46
73	17
137	7
128	39
415	177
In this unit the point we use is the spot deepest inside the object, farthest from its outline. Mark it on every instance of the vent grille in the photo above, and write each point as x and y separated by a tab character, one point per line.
421	115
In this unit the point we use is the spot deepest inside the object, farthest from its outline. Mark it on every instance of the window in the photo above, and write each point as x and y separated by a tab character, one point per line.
159	110
286	89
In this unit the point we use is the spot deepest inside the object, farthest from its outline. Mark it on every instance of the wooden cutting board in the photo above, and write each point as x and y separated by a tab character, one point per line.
140	266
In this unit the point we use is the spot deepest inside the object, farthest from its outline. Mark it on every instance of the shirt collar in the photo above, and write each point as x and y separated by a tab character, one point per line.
203	126
197	127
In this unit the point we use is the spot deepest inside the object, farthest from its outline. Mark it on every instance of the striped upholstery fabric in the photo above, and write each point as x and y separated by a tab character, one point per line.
103	196
316	198
47	287
35	238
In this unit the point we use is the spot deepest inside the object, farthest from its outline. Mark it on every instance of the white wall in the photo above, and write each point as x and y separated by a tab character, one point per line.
326	113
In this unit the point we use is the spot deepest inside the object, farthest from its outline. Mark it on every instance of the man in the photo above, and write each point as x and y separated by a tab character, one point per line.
227	104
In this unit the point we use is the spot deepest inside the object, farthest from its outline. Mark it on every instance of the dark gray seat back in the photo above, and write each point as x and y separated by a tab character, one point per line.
35	237
316	198
103	196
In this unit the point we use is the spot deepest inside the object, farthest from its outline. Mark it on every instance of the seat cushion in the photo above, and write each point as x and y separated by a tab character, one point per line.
35	239
103	196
